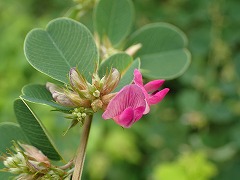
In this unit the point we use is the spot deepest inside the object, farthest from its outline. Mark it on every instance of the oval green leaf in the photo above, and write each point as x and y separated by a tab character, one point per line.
37	93
120	61
64	44
163	53
9	132
113	19
34	130
127	76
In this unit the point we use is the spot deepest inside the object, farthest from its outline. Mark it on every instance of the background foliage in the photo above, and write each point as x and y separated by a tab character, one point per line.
193	134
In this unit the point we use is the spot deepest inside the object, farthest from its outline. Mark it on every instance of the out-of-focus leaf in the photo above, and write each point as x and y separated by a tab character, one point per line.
120	61
9	132
189	100
218	113
163	53
215	137
113	19
64	44
37	93
186	167
34	130
237	64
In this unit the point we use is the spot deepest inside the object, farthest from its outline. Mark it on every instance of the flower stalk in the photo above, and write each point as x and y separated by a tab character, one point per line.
81	152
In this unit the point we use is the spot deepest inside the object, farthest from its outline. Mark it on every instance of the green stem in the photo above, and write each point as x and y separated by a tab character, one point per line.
81	152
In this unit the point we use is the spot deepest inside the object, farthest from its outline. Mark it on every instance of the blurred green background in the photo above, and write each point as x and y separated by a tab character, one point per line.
194	134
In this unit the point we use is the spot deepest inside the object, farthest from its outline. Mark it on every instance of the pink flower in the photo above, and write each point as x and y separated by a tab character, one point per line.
133	101
150	90
127	106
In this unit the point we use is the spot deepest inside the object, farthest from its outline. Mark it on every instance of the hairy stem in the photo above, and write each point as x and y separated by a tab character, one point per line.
81	152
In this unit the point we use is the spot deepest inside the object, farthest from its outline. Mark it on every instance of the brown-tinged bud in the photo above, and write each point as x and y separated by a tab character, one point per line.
111	81
76	100
77	81
96	105
131	51
66	98
53	88
96	81
107	98
35	154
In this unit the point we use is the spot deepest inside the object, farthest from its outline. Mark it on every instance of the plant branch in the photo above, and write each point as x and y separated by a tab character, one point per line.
81	152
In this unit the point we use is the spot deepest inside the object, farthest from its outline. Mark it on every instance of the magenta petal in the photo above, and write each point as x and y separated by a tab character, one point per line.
153	85
147	109
137	78
138	113
130	96
156	98
126	118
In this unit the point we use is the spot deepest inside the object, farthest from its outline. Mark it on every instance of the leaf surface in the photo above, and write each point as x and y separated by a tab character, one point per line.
163	53
113	19
34	130
64	44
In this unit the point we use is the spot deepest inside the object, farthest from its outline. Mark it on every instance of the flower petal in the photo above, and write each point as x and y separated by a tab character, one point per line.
153	85
138	113
147	109
138	78
126	118
156	98
130	96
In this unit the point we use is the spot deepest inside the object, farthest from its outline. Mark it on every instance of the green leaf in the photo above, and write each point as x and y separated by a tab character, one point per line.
120	61
163	53
127	76
34	130
9	132
113	19
64	44
37	93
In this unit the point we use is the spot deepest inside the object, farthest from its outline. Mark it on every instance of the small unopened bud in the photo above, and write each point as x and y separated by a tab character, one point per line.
9	162
96	93
63	99
77	81
107	98
111	81
96	105
133	49
76	100
58	95
15	170
35	154
96	81
84	115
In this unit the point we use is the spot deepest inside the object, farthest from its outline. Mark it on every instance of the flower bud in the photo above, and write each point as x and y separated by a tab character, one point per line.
111	81
77	101
96	105
35	154
133	49
15	170
107	98
77	81
96	81
9	162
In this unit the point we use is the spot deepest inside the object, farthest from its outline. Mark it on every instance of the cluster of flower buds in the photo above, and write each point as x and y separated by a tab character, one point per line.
27	162
81	93
85	98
